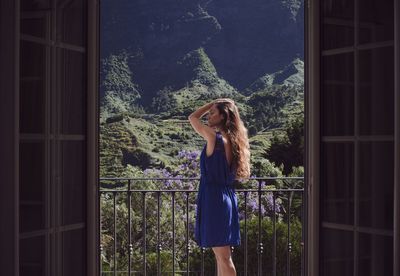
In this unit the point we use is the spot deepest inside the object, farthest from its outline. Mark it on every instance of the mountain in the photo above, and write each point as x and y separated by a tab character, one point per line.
162	59
239	41
290	75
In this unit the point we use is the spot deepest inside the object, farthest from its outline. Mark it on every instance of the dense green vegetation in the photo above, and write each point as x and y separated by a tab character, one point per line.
150	136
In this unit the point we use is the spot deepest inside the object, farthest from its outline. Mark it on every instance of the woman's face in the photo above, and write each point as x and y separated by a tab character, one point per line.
214	118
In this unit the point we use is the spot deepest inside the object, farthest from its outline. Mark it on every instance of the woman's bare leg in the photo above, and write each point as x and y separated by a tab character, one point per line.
224	261
218	266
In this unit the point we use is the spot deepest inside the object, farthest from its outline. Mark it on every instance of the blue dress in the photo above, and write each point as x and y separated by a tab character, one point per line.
217	218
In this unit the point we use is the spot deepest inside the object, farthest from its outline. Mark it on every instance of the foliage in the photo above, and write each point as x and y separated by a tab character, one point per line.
200	66
289	148
268	104
265	167
136	157
267	235
118	91
164	101
187	166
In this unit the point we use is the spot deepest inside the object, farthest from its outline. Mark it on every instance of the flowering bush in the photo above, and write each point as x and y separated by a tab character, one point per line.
172	179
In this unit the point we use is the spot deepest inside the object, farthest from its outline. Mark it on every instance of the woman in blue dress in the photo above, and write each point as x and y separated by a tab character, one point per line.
224	159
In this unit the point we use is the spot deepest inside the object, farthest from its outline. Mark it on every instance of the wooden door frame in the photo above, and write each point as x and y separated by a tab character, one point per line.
312	133
92	207
9	138
396	211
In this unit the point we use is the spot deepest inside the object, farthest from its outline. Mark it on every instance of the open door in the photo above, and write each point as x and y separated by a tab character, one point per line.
353	137
53	96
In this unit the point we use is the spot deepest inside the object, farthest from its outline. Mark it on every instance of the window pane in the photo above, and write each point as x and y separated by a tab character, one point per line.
338	69
73	182
70	21
34	26
337	97
337	260
32	262
376	20
32	187
32	87
32	168
29	5
74	252
72	86
338	24
376	255
31	217
376	91
337	94
376	184
337	187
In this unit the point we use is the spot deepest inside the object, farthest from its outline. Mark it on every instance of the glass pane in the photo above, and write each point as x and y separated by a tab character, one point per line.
33	60
32	170
376	91
337	260
376	21
73	182
338	24
34	26
337	95
32	262
32	87
337	187
74	252
376	255
337	110
72	86
71	21
32	106
32	186
31	217
376	184
29	5
338	69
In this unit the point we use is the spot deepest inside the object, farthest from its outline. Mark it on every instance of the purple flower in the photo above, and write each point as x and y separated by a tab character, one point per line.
241	215
252	204
270	202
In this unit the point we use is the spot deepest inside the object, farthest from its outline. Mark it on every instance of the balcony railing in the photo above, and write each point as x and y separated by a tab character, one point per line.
150	231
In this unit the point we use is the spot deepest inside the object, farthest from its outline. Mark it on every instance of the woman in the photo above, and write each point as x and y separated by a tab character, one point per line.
224	158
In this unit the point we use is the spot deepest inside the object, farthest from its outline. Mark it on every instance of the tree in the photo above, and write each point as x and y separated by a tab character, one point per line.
288	149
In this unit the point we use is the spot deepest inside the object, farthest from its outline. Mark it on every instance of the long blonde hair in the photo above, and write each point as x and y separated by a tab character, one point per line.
237	133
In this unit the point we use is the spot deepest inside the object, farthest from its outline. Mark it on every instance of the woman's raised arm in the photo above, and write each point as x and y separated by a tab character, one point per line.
205	131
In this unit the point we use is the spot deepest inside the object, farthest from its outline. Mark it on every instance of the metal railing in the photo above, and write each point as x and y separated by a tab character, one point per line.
267	202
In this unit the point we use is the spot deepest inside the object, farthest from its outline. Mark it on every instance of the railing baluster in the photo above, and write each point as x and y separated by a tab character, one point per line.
245	232
187	233
289	245
101	246
144	233
202	261
115	232
302	234
130	249
115	261
173	233
274	234
158	234
260	244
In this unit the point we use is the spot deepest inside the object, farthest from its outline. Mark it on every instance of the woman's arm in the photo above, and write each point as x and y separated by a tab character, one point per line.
205	131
